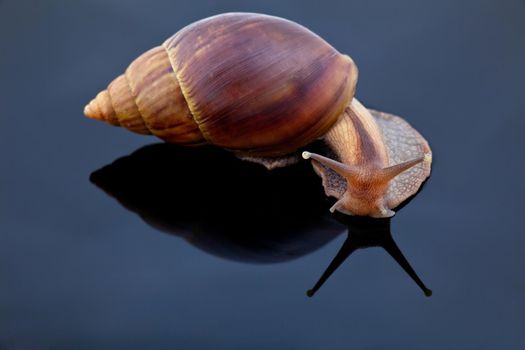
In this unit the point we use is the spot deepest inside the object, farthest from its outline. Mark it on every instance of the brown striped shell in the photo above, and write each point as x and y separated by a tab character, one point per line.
251	83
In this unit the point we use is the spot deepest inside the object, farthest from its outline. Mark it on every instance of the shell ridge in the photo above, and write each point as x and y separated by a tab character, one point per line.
136	105
192	108
113	107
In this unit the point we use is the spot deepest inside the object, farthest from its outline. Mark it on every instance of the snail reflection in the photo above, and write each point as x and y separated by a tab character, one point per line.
237	210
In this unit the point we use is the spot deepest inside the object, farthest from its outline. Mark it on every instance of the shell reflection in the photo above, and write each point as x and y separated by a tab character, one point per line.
227	207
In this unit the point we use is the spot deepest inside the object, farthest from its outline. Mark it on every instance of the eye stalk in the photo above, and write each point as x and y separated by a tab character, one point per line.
367	185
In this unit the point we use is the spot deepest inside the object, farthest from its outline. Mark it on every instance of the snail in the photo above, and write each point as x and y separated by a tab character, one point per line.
264	87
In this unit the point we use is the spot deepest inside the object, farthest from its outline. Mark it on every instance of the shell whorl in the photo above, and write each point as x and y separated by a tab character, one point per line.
254	84
260	85
147	99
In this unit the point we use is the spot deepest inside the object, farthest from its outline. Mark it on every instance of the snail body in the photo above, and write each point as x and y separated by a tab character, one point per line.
265	87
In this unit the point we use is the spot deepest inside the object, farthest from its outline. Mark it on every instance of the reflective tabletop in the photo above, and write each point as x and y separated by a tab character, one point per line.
112	240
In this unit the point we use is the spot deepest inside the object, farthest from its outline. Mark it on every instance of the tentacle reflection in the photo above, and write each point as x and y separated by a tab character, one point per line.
364	232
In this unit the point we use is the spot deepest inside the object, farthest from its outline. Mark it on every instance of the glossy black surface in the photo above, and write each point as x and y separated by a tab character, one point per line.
80	271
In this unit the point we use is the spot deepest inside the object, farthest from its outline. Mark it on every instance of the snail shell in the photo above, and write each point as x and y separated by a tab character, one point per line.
251	83
264	87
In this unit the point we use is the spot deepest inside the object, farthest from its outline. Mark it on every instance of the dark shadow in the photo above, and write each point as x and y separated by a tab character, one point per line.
227	207
365	232
235	209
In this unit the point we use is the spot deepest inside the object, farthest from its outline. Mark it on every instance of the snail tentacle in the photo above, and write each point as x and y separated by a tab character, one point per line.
394	170
340	168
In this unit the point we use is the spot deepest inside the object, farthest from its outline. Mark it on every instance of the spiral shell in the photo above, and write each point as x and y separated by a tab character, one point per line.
251	83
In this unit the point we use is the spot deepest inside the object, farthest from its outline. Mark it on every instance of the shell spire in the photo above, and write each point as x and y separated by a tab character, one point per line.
147	99
116	105
100	108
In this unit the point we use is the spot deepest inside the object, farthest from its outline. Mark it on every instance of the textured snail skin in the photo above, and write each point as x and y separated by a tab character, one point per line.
382	161
264	87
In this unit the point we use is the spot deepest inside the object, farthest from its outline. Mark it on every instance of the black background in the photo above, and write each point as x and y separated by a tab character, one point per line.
78	271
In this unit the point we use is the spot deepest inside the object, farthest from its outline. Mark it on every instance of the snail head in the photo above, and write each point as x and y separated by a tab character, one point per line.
367	185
